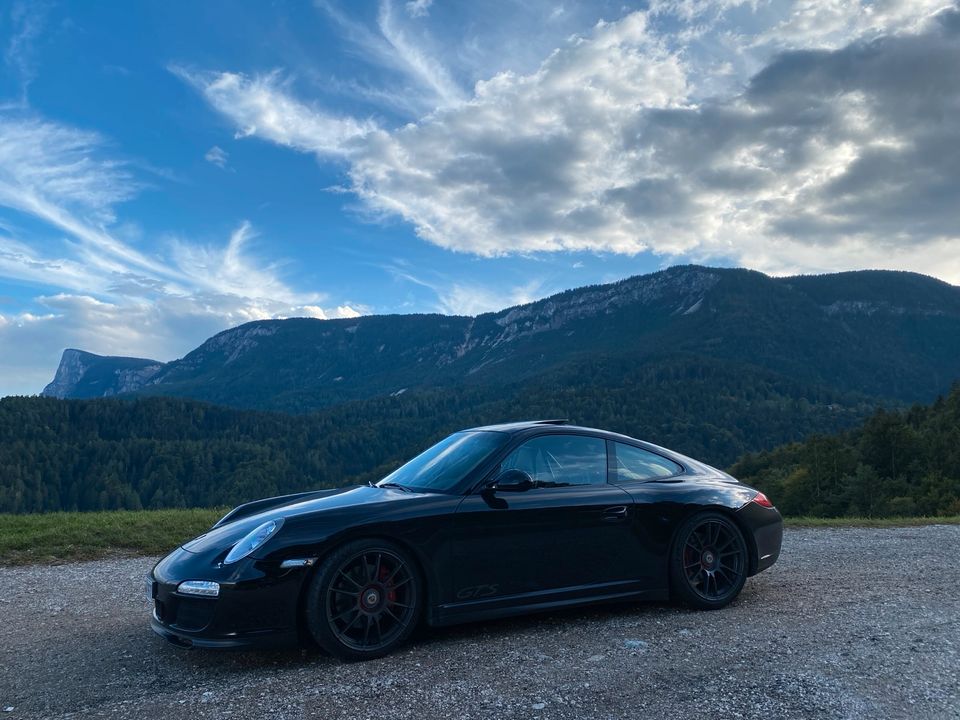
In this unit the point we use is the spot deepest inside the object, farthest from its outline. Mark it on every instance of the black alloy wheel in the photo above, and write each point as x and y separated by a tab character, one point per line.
364	600
709	561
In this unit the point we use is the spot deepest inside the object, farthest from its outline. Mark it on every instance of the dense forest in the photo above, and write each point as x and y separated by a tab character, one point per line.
169	452
895	464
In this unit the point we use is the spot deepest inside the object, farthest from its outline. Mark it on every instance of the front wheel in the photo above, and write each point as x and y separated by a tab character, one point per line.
364	600
708	562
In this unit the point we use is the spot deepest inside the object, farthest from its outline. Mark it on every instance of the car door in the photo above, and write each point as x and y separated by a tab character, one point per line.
568	536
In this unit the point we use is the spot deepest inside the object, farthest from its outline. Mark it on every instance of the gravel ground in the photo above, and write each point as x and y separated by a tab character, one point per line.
850	623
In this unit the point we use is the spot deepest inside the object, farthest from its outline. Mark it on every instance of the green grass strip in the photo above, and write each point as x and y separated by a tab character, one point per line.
69	536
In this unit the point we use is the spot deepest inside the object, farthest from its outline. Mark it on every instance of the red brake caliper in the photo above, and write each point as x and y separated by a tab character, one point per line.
391	590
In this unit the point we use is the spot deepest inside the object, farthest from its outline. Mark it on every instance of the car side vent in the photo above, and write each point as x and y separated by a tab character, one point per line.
552	422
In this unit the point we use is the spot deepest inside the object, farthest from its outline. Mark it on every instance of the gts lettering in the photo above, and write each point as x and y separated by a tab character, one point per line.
477	591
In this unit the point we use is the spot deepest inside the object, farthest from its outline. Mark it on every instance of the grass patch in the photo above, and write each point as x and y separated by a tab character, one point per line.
68	536
866	522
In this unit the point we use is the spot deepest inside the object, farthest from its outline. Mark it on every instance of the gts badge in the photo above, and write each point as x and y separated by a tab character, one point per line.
477	591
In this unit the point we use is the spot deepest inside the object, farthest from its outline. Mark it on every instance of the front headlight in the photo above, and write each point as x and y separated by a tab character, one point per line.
203	588
252	540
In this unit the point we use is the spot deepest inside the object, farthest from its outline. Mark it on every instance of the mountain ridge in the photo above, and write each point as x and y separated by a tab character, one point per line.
887	334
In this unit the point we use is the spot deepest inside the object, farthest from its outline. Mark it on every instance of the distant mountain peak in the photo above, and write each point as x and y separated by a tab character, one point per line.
83	374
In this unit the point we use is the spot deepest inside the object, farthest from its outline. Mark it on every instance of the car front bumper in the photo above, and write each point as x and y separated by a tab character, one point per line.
257	605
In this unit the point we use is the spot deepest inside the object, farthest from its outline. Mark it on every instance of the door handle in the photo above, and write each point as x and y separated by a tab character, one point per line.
618	512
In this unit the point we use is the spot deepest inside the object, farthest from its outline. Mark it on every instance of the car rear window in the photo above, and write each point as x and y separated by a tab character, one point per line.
634	463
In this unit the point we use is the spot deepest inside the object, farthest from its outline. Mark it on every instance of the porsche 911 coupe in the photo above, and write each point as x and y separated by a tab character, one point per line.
489	522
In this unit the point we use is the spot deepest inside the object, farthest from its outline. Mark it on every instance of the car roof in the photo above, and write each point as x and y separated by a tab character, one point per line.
551	426
512	427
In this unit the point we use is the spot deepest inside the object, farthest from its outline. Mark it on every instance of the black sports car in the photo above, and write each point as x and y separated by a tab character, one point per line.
488	522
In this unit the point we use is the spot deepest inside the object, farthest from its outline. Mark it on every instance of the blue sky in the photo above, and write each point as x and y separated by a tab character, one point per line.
170	169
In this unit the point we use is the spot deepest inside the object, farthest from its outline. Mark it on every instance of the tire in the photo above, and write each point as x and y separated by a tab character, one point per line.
708	561
364	600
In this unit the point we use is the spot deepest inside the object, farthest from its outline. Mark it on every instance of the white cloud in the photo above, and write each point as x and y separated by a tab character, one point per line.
18	260
645	134
229	269
524	165
418	8
466	298
813	24
473	299
263	106
217	156
346	311
40	159
63	177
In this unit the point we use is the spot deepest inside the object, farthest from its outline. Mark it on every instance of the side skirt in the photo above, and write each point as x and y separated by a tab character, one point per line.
543	601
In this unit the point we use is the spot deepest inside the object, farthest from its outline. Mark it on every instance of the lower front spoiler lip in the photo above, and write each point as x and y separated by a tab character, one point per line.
187	640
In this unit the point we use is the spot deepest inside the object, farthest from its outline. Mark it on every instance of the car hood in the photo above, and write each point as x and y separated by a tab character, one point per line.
364	498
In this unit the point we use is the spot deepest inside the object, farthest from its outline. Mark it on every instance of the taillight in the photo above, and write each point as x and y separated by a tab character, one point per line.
762	500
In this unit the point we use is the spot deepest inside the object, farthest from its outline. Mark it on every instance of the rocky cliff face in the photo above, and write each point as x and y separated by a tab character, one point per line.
73	364
83	375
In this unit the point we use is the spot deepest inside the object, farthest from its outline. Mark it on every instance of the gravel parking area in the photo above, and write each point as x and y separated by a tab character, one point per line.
850	623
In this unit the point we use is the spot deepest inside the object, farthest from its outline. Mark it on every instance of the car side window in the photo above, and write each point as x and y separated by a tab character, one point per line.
635	463
560	460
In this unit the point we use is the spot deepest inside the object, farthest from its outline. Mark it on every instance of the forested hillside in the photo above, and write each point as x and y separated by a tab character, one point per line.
163	452
897	463
168	452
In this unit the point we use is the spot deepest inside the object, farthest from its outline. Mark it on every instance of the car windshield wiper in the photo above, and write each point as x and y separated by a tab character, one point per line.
395	485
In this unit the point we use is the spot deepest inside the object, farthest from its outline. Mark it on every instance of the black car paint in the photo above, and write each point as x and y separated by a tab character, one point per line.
482	553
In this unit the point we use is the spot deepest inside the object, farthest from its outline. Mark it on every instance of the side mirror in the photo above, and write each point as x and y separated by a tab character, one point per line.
512	481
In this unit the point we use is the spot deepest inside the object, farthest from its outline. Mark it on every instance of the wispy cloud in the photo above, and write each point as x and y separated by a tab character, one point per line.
456	297
62	176
158	297
263	106
44	159
217	156
474	299
393	48
27	20
410	54
418	8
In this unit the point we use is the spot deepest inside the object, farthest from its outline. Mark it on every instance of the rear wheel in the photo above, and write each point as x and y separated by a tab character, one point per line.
364	600
709	561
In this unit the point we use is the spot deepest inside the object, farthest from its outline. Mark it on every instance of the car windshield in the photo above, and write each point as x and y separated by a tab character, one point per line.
442	467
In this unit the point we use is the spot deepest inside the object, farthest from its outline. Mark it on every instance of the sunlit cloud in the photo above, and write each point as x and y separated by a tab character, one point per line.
834	157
